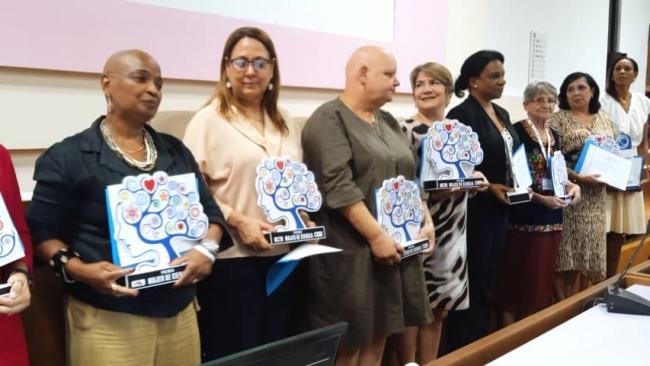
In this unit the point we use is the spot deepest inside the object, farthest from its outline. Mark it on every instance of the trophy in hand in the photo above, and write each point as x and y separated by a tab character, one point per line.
450	150
400	213
284	187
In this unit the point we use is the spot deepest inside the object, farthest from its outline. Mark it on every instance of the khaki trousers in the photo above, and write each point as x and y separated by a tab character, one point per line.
101	337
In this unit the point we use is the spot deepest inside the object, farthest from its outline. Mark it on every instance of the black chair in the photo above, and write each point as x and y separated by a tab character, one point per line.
314	348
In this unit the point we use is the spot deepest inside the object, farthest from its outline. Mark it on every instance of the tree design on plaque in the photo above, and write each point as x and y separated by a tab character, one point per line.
7	239
453	148
283	188
400	208
158	210
605	142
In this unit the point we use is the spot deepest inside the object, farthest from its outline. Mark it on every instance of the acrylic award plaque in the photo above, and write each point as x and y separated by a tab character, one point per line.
521	177
559	175
11	247
450	151
626	150
154	219
606	143
400	213
284	187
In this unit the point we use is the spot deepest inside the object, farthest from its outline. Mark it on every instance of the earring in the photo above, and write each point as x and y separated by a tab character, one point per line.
228	85
270	87
109	103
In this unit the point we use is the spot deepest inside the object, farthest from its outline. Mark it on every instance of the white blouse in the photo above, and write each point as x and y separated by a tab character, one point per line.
632	121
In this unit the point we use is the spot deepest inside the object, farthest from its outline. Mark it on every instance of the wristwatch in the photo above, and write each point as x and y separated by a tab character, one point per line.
60	259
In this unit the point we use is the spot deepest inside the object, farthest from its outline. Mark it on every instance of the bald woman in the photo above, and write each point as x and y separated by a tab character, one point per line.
352	146
109	324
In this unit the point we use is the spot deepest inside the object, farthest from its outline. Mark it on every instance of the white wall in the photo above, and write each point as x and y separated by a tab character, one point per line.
576	36
635	20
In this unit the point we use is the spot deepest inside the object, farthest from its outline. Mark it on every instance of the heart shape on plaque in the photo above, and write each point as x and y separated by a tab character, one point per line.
448	126
149	185
279	164
395	185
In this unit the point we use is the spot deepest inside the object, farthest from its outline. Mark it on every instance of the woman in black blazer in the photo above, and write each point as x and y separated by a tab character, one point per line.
487	213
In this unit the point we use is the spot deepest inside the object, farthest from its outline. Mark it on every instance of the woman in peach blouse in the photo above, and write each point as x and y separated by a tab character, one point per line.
229	137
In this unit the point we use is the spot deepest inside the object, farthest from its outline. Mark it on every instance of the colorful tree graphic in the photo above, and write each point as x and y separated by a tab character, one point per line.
400	206
283	188
452	145
161	209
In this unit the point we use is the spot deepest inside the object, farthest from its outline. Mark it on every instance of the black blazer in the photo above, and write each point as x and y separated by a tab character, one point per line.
69	205
494	162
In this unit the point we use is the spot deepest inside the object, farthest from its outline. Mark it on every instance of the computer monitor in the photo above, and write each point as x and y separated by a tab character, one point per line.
314	348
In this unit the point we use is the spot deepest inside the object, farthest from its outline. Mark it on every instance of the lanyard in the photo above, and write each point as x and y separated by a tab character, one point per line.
546	153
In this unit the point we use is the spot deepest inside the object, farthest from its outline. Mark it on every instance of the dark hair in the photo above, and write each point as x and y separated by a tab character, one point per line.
610	86
473	67
270	100
594	104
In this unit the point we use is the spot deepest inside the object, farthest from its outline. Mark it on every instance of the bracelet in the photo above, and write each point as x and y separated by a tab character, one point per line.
209	248
59	260
201	249
23	271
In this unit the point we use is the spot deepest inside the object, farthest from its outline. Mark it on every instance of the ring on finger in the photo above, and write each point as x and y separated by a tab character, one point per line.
113	287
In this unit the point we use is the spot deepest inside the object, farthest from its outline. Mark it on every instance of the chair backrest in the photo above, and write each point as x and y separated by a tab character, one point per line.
315	348
175	122
172	122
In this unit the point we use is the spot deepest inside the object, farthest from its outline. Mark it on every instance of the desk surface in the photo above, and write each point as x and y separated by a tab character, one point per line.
594	337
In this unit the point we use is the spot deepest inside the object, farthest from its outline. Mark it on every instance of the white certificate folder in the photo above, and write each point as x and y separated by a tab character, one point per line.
614	170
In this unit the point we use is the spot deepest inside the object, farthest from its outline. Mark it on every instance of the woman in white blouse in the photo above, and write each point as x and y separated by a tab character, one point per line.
229	137
629	112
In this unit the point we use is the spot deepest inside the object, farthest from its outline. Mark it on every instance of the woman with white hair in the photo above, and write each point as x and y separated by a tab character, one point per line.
527	264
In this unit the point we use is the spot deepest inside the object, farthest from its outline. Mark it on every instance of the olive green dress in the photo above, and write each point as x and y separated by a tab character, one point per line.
350	159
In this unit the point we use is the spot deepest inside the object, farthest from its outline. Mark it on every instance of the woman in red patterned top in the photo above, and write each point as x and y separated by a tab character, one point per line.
13	350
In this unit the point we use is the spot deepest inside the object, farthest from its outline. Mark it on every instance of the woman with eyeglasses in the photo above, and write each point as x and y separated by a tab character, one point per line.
526	269
629	112
229	137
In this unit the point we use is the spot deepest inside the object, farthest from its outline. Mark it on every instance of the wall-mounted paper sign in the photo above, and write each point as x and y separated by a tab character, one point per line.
450	151
284	188
400	213
154	219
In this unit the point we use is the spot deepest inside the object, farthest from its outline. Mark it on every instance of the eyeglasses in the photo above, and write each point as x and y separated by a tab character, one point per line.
545	101
241	63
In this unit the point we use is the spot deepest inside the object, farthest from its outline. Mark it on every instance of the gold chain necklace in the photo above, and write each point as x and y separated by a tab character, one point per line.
151	153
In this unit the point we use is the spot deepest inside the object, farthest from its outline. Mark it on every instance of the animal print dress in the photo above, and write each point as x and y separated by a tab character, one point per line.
445	270
583	247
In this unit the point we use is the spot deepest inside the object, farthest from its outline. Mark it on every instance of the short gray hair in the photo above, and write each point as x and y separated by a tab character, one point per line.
535	88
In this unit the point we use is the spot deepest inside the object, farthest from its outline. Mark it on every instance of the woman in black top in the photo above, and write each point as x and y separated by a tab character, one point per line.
487	213
69	224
